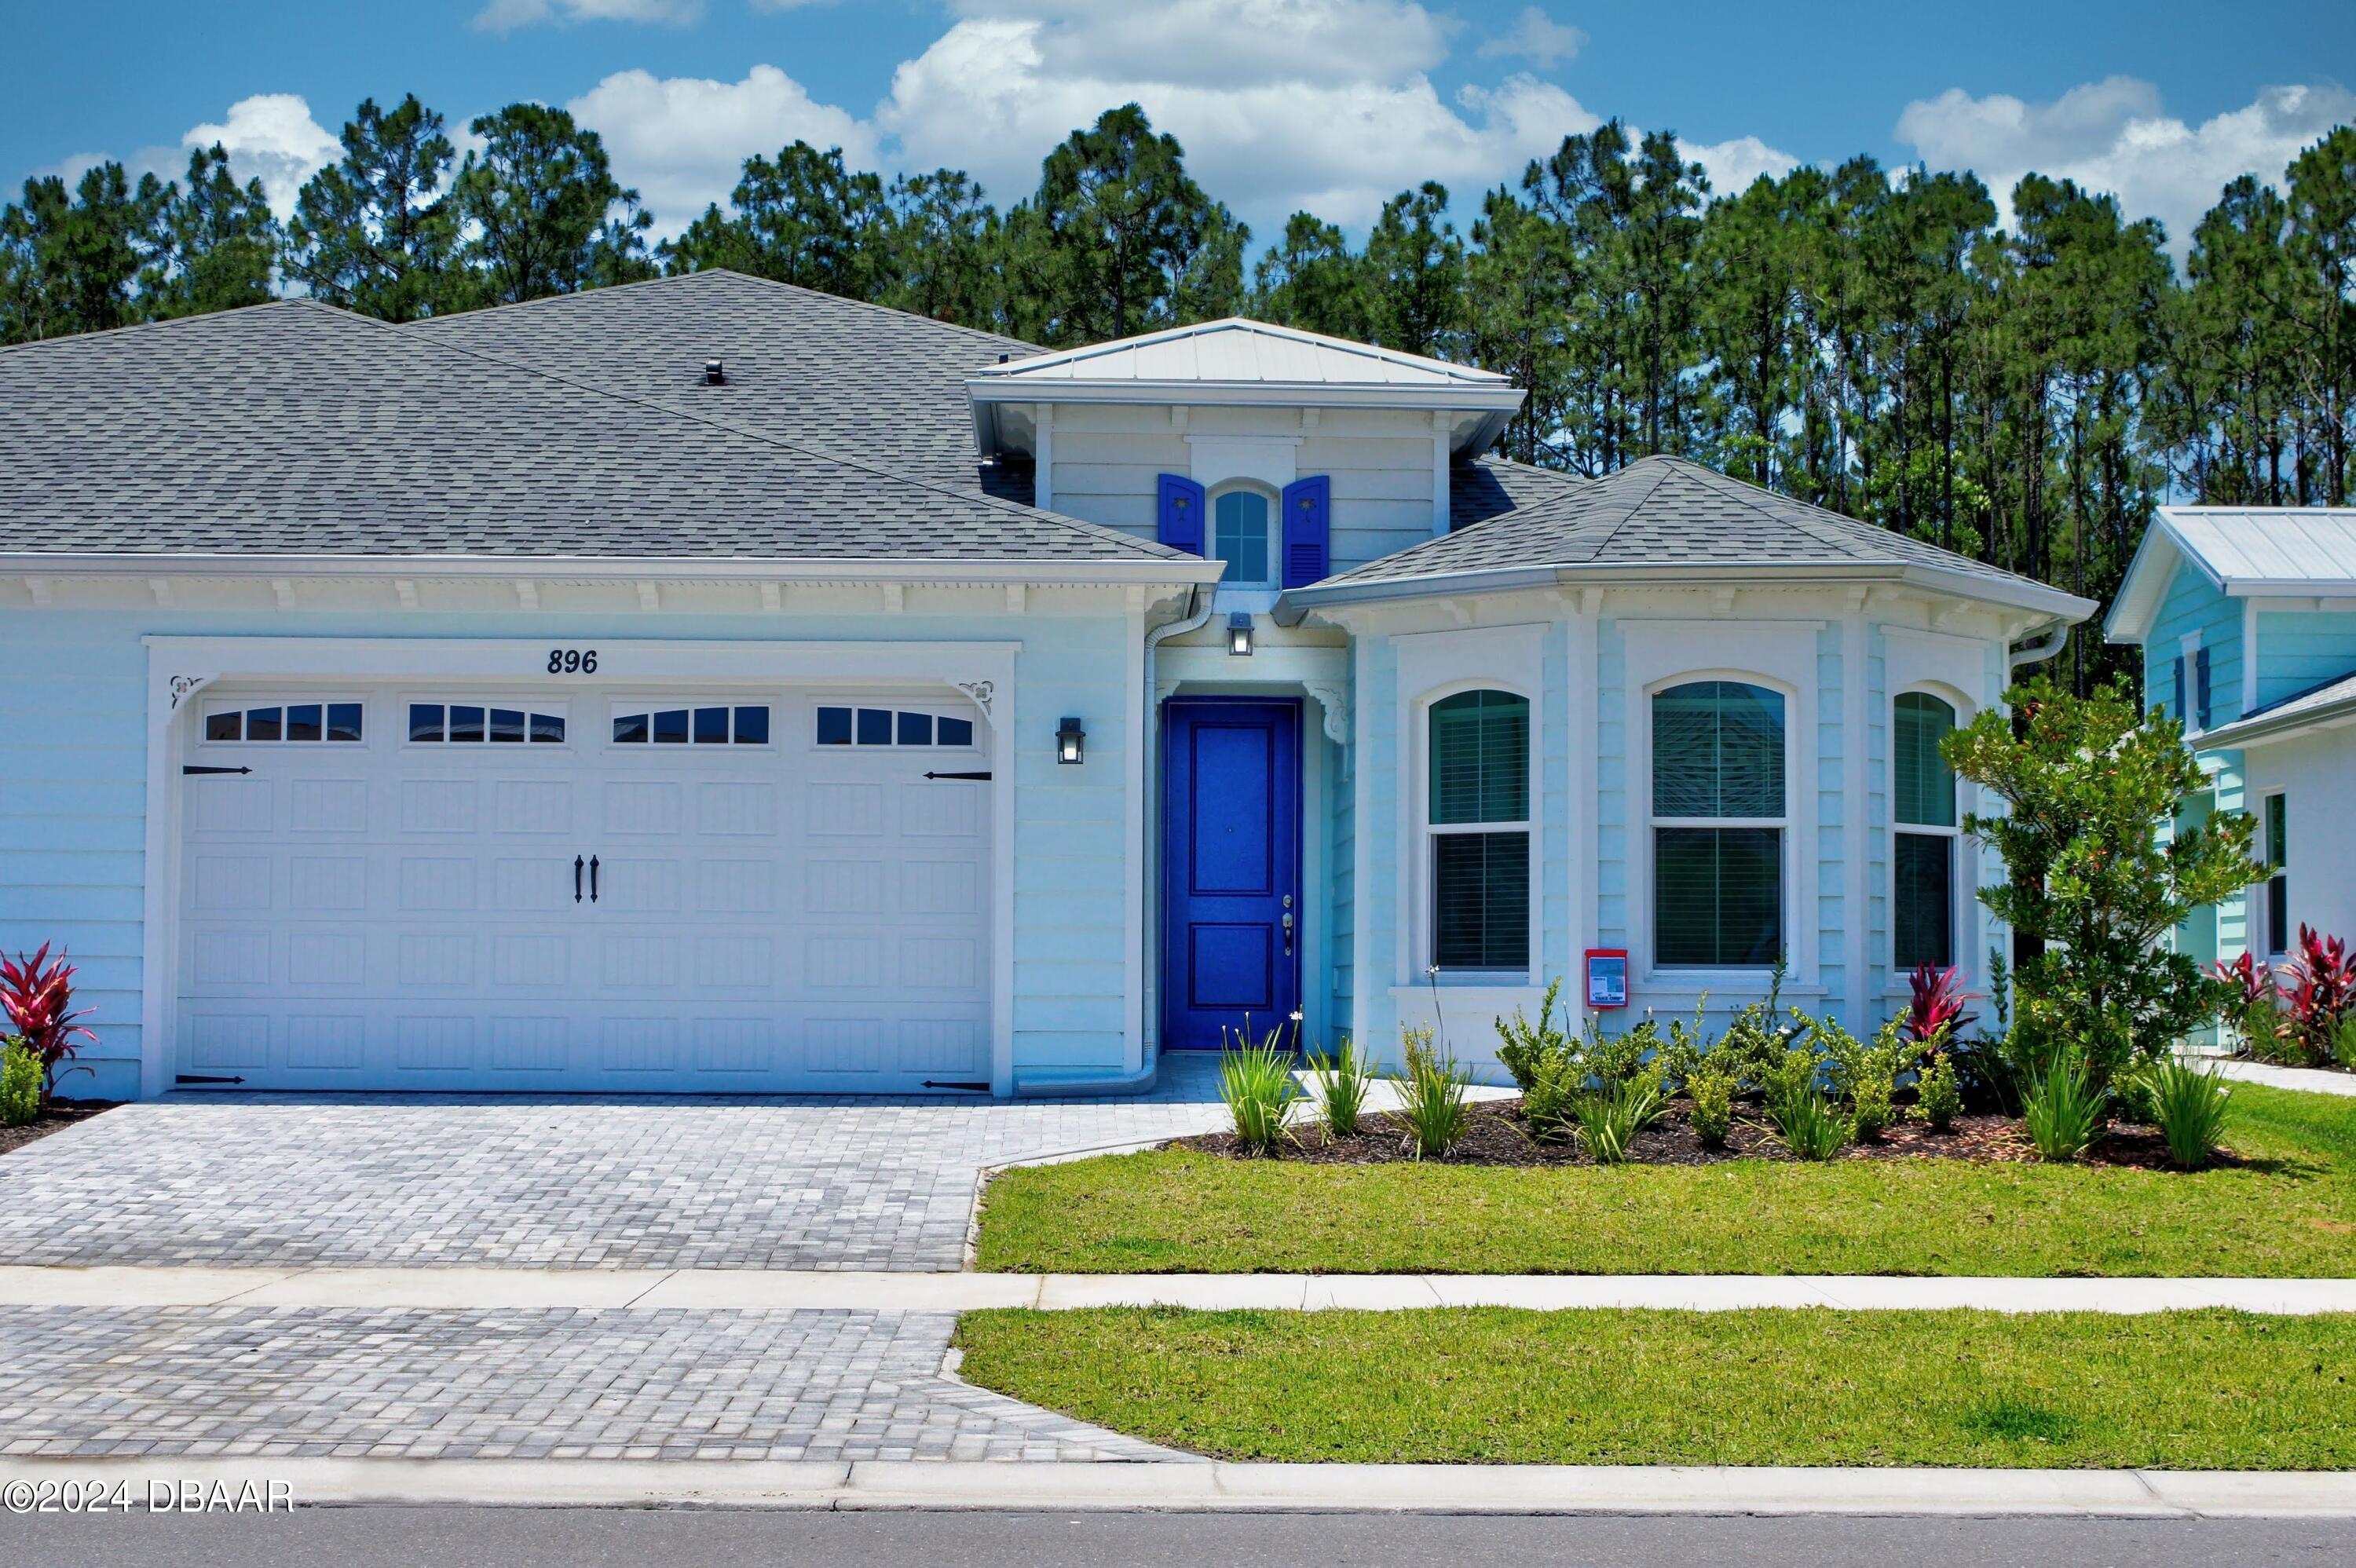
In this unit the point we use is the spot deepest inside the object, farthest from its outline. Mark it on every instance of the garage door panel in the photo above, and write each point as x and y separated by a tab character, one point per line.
437	807
772	915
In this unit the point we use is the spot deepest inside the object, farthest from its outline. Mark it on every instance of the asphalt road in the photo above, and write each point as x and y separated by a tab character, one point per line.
586	1537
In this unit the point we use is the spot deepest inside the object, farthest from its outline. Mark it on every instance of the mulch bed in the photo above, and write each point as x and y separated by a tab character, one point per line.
1500	1135
61	1114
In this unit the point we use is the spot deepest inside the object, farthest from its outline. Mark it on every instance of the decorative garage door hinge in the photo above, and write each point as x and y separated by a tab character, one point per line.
984	774
196	768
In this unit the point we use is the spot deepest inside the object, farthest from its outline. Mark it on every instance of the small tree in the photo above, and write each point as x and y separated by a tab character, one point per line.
2086	783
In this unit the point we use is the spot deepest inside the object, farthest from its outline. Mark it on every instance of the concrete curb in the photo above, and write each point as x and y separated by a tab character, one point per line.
1224	1487
723	1290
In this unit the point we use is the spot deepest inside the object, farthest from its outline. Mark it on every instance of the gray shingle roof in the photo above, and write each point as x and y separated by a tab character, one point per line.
2331	699
1480	488
1664	513
292	428
825	372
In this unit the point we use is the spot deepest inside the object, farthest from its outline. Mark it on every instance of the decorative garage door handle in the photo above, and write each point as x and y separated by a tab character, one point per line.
593	879
577	863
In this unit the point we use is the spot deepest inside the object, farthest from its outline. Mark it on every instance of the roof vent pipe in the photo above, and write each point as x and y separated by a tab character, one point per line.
713	376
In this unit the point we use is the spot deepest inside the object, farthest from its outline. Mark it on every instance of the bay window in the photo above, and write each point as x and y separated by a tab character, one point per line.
1718	821
1478	830
1923	861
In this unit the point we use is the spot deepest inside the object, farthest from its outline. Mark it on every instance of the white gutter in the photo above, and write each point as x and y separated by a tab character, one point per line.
1296	603
1146	570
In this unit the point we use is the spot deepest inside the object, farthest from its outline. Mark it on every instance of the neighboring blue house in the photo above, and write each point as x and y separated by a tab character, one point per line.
709	685
2246	617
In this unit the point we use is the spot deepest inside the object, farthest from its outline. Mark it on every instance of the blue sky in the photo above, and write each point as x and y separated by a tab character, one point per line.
1326	104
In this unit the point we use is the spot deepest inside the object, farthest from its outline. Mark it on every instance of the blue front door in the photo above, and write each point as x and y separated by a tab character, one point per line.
1230	869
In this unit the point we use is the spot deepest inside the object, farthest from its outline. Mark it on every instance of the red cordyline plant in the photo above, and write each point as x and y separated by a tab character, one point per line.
2253	1009
2321	992
1938	1004
37	996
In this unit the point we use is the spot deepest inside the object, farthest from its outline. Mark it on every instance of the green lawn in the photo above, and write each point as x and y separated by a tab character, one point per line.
2180	1390
2291	1213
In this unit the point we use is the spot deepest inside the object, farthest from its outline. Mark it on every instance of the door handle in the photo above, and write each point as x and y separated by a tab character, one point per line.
1288	934
593	879
577	864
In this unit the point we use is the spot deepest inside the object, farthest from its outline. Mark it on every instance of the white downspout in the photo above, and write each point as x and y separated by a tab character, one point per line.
2043	648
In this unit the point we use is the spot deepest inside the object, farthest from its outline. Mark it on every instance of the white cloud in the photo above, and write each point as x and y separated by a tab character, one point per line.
682	140
506	16
2114	135
1281	104
270	137
1733	165
1537	37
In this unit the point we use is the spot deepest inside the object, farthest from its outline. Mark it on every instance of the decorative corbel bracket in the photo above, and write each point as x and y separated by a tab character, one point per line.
187	686
1334	701
980	693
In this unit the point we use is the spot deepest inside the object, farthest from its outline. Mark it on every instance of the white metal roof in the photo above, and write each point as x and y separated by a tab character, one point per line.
2313	547
1236	350
2245	551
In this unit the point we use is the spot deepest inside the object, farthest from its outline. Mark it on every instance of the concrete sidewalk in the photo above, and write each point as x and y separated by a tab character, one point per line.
483	1289
1238	1487
2308	1080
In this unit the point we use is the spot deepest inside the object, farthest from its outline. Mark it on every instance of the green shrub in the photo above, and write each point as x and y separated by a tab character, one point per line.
1340	1083
1611	1117
1616	1058
1431	1096
1527	1046
2131	1094
2343	1042
1257	1083
20	1083
2188	1104
1938	1096
1811	1126
1712	1093
1550	1102
2063	1111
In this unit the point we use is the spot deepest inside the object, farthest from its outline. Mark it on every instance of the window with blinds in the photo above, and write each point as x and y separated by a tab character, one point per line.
1479	810
1718	825
1922	857
2278	848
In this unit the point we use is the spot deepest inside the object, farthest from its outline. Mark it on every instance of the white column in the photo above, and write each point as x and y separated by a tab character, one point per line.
1857	757
1140	715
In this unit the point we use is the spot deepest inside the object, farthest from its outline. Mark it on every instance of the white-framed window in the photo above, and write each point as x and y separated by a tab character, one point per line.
690	724
1926	845
273	721
479	721
2274	844
877	724
1718	822
1245	533
1477	829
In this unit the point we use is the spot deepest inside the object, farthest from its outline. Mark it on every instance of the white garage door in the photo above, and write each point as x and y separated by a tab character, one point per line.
623	890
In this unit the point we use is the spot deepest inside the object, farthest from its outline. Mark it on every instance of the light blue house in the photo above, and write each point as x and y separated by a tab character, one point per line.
2246	619
712	686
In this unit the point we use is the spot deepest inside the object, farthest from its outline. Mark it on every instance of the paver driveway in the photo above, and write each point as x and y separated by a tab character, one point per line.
784	1183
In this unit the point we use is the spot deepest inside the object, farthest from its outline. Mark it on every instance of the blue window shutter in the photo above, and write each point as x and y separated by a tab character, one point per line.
2200	685
1307	531
2179	691
1179	517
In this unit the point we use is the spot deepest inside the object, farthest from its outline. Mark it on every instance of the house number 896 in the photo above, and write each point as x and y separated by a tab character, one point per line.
573	661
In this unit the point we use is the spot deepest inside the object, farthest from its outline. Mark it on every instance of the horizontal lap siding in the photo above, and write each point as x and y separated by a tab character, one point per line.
2195	604
1108	460
73	795
1614	910
73	808
2299	650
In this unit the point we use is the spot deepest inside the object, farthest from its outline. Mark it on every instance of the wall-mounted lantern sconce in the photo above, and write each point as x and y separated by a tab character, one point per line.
1239	634
1071	741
